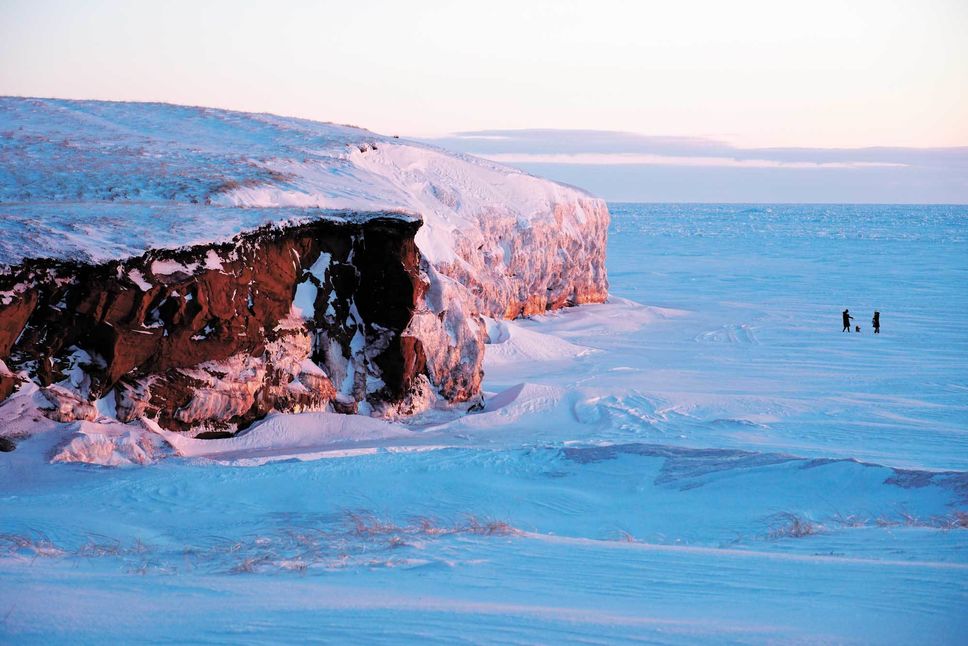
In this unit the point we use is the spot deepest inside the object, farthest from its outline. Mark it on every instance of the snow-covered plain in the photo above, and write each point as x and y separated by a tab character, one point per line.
705	457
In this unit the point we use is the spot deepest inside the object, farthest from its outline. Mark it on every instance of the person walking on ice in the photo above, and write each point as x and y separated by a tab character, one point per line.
876	321
847	319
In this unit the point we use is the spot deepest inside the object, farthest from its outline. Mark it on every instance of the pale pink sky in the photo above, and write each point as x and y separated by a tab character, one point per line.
754	73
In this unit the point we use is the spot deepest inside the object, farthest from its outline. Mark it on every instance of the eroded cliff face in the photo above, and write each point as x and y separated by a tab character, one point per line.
203	267
313	317
343	313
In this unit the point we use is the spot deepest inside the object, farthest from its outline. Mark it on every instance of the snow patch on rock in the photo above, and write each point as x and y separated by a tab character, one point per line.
212	261
138	279
169	267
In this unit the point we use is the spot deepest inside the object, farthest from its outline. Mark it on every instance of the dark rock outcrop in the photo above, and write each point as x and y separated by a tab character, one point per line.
363	291
211	336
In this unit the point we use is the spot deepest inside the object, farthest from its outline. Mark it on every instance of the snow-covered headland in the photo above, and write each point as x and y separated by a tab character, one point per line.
201	268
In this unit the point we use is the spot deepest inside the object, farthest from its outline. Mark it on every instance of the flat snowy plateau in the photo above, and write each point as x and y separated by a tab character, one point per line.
705	457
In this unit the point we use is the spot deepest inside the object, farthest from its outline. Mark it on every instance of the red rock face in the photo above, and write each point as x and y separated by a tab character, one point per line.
343	313
8	384
207	337
336	315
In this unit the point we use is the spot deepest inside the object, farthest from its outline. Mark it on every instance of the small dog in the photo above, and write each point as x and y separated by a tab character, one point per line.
856	328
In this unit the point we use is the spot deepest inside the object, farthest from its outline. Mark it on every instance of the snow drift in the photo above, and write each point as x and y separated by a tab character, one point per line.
204	267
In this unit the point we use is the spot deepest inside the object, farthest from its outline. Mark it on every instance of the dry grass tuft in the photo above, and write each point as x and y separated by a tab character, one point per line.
487	527
626	537
955	520
13	544
788	525
853	520
366	525
354	540
249	564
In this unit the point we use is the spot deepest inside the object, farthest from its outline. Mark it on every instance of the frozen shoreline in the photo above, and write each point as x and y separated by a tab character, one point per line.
724	466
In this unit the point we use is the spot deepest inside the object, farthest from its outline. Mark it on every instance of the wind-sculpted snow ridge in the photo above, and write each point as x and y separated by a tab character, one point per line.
204	267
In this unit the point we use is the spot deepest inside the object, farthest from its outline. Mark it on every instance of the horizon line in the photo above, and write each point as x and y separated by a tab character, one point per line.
744	203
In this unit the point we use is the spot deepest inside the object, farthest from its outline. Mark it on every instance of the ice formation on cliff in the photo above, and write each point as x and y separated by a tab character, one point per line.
85	183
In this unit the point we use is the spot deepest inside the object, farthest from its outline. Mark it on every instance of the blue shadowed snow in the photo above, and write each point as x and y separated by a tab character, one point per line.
725	466
765	287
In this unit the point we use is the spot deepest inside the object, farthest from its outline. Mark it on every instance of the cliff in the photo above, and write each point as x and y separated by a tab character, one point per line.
203	267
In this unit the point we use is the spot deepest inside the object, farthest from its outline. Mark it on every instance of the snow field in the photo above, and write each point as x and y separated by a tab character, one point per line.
721	466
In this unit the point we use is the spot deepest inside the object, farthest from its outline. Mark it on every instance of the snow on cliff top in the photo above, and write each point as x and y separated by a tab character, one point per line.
92	180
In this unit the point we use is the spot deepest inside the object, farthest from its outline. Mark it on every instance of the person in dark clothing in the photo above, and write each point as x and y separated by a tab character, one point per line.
847	319
876	321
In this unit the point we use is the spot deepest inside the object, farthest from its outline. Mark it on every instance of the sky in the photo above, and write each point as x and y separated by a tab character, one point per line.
744	75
